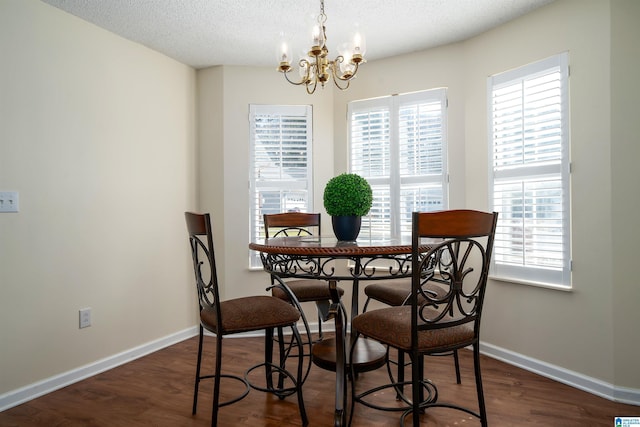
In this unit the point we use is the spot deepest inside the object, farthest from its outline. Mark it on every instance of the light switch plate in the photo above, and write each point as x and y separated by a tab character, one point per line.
85	317
8	201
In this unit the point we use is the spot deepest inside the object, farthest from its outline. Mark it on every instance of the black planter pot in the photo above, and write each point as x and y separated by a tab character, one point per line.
346	228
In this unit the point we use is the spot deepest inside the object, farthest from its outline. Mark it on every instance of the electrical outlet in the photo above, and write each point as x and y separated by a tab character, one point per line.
85	317
8	201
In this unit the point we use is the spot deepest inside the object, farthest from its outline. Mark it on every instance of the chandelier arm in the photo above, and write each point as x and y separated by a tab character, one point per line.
336	80
305	80
292	82
313	87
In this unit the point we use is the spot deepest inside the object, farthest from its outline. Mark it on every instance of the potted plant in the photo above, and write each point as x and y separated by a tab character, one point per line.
347	198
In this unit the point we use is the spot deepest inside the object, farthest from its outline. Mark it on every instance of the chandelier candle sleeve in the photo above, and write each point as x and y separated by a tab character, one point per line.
315	65
284	54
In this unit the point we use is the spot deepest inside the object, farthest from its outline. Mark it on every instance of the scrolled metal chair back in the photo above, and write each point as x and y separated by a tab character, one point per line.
459	264
292	224
204	265
292	231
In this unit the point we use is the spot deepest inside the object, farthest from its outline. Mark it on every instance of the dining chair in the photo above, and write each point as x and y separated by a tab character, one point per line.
397	292
306	290
245	314
460	246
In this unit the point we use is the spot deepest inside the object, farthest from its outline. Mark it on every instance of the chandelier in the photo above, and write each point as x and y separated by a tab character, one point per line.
315	66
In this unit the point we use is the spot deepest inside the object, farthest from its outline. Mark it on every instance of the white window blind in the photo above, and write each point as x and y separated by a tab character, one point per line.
398	143
529	151
280	174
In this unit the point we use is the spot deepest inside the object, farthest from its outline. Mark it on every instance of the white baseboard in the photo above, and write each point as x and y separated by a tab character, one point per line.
48	385
565	376
574	379
24	394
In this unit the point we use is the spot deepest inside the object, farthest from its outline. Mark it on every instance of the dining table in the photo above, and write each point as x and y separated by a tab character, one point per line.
326	258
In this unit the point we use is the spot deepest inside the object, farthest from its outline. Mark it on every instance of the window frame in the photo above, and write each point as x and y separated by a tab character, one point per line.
395	181
556	278
256	224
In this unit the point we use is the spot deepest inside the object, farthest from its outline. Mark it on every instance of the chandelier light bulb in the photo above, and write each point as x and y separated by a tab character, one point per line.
284	53
347	68
317	37
359	44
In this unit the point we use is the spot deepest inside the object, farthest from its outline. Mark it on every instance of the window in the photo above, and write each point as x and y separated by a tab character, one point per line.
280	165
529	174
399	145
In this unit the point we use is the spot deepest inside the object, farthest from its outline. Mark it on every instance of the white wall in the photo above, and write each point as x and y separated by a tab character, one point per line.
98	136
625	195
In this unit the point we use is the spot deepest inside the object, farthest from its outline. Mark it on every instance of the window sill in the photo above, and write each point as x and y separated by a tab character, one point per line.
532	283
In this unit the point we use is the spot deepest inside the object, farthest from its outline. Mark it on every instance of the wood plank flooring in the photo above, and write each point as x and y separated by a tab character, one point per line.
157	390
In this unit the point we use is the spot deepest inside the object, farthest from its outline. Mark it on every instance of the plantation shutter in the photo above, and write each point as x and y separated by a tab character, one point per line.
422	156
280	174
530	172
371	158
398	143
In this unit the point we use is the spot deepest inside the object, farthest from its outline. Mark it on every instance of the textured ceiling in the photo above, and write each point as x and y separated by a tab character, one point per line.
203	33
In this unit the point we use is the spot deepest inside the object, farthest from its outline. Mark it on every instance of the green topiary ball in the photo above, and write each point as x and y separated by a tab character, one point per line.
348	194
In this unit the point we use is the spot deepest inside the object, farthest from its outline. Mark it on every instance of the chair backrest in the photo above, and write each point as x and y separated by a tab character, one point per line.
204	264
291	224
460	262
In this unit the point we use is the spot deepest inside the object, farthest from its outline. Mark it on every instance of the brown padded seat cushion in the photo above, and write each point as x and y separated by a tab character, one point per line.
306	290
395	292
250	314
393	326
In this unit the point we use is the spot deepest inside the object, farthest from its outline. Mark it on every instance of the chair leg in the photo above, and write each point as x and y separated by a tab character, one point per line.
421	378
300	378
400	379
197	381
320	336
284	353
476	367
323	315
268	354
457	364
417	369
216	381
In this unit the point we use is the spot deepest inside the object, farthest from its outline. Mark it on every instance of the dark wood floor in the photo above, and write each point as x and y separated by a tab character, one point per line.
157	390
